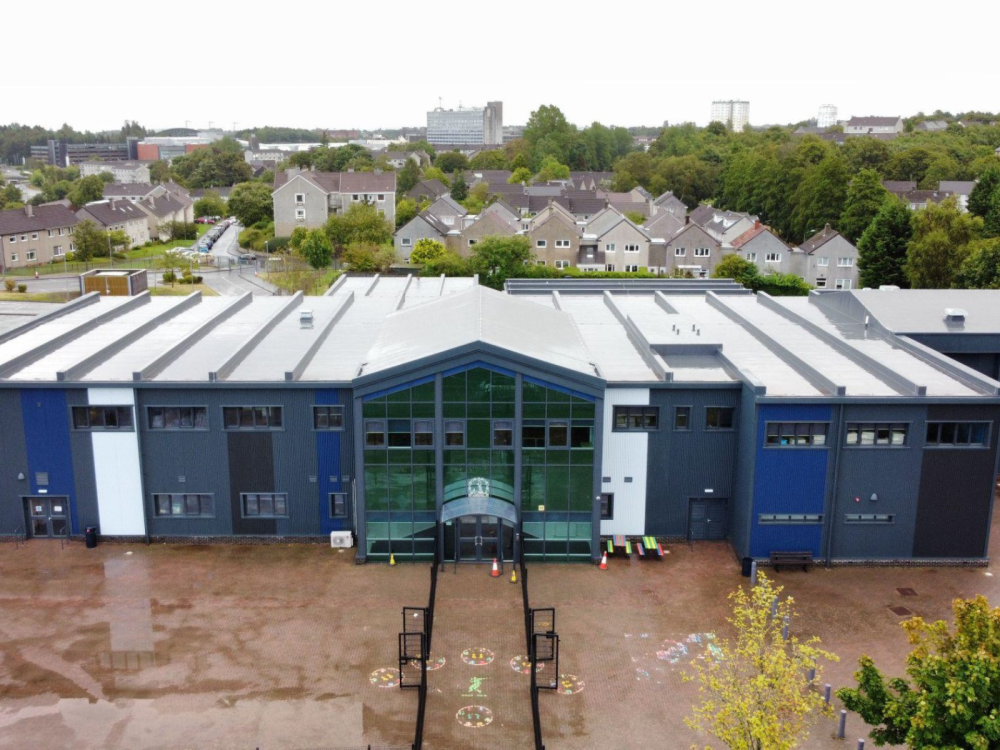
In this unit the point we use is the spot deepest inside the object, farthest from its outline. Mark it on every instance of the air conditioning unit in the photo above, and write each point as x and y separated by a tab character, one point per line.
341	539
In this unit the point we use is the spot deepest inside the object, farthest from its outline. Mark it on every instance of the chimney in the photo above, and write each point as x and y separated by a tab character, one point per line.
826	229
152	202
112	203
350	169
29	210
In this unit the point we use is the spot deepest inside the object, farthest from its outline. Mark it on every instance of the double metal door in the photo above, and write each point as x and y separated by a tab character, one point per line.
480	539
707	519
48	516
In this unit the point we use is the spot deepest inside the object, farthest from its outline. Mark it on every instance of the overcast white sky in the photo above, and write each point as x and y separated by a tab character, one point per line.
384	63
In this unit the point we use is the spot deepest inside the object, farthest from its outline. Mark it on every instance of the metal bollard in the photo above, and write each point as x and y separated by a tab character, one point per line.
861	745
826	693
812	675
774	608
843	725
753	573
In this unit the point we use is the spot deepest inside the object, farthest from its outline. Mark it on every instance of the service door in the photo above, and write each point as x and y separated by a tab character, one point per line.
707	519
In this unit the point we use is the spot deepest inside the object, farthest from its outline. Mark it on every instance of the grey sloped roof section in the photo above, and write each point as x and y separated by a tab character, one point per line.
919	311
474	316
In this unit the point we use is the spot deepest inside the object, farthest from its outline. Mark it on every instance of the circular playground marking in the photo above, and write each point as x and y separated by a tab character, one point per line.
432	664
385	677
474	717
569	684
478	657
522	665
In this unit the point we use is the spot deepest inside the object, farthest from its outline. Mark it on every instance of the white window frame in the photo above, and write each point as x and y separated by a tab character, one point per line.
24	238
539	262
609	247
562	243
562	264
702	252
845	262
631	248
844	284
752	257
355	196
300	199
680	252
13	239
772	258
822	261
631	269
540	243
13	257
448	221
300	214
405	241
821	282
472	242
30	255
34	235
381	197
609	267
50	232
58	250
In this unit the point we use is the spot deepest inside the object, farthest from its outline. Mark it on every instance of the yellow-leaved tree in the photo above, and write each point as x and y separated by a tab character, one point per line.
756	692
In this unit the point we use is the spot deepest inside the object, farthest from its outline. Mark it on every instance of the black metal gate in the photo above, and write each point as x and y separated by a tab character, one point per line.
415	649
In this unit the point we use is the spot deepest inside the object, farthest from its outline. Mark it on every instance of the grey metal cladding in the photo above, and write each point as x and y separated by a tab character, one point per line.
893	474
956	490
682	464
84	473
741	497
251	469
15	461
294	459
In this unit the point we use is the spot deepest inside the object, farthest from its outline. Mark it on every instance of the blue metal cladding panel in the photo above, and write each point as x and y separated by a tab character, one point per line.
331	475
788	480
46	437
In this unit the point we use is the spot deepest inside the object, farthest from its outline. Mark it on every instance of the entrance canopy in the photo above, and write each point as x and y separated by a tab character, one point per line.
479	506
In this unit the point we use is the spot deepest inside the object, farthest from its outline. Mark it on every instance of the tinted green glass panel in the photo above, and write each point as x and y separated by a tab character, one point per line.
454	457
501	458
454	387
454	411
558	411
478	433
556	488
454	474
534	456
423	488
377	530
532	392
479	457
532	487
400	456
399	411
582	410
504	474
503	387
422	392
533	411
479	411
581	488
423	457
556	457
376	488
556	396
503	410
422	411
399	397
376	457
400	488
374	409
479	385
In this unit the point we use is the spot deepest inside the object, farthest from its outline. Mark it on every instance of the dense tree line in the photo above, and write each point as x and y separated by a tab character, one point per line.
16	140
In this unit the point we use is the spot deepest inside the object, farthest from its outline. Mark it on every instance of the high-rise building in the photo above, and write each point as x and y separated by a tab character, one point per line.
827	116
466	125
735	114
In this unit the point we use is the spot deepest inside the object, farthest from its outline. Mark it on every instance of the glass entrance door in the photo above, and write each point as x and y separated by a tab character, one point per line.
48	516
482	538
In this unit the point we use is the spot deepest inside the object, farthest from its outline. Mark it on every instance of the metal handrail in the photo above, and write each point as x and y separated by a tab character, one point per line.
23	531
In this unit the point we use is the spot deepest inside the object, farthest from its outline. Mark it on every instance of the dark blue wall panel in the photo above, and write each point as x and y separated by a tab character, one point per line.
46	437
788	480
331	475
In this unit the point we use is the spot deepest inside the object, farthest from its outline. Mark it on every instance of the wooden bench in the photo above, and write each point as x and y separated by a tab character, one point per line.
803	558
650	548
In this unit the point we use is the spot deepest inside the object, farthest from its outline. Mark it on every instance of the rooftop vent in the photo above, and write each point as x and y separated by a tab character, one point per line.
956	314
306	319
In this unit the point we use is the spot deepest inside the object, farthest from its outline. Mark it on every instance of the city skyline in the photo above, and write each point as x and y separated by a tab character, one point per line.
784	81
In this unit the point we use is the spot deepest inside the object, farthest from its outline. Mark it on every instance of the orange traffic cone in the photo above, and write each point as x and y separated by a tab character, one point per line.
604	562
496	570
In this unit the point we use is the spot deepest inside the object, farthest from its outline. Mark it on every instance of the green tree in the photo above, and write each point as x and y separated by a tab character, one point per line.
181	230
991	222
690	178
433	173
519	175
459	190
408	177
89	240
756	691
364	257
951	696
882	247
316	249
159	171
551	169
361	223
299	235
449	264
10	194
739	269
941	234
118	240
426	251
497	259
865	197
982	196
451	161
219	164
490	159
820	196
251	202
866	153
981	267
406	209
169	262
210	204
636	217
86	190
547	133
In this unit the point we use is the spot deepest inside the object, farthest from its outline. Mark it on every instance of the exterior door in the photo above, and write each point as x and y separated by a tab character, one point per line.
707	519
48	516
480	539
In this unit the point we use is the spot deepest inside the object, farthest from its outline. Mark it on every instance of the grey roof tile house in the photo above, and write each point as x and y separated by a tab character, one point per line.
35	234
303	198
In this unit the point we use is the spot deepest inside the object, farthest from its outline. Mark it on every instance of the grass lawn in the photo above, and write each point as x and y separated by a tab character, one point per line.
180	290
154	250
38	296
306	280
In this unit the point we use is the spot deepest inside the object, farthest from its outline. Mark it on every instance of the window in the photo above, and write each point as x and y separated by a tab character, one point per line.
869	518
380	198
328	417
184	505
949	434
872	433
562	243
300	199
355	197
533	433
682	417
50	232
558	433
562	264
795	434
423	433
72	247
772	258
102	418
471	243
821	283
631	248
34	235
702	252
338	505
540	243
680	252
265	505
13	257
406	241
581	434
503	433
790	518
823	261
610	247
539	262
607	506
177	417
13	239
300	214
454	433
375	434
843	284
608	267
632	418
251	417
719	418
752	257
58	250
31	255
845	262
400	435
24	238
448	220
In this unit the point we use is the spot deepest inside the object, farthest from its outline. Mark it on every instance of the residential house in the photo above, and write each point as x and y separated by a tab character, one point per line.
918	199
398	159
828	261
427	190
505	212
448	211
725	226
766	250
932	126
590	180
163	209
693	250
35	234
664	224
670	202
222	192
874	126
115	214
491	177
122	171
961	189
304	198
486	225
899	187
131	191
624	245
422	226
555	237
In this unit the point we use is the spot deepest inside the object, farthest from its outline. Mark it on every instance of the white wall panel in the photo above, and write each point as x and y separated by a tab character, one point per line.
117	471
625	456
